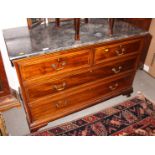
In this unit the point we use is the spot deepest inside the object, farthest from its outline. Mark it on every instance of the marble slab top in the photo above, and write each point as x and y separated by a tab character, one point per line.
22	42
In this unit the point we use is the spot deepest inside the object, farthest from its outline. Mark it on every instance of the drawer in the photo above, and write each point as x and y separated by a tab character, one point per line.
112	51
51	108
53	64
47	87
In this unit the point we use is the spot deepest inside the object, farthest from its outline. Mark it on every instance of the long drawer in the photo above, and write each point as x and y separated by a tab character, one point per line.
52	108
47	87
53	64
116	50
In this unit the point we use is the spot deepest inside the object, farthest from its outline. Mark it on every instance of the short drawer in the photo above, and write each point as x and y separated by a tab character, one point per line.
53	64
51	109
111	51
47	87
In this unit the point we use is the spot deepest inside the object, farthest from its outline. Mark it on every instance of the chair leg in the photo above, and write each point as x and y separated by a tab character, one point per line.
75	24
77	28
86	20
111	24
57	22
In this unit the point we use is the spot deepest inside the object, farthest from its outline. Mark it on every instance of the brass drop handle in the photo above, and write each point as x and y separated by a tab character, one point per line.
61	103
60	87
59	66
117	70
121	51
113	87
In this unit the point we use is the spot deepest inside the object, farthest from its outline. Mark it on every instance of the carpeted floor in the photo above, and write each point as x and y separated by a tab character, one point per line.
134	117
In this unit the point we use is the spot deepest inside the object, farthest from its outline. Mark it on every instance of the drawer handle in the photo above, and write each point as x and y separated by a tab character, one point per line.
121	52
59	66
113	87
61	104
117	70
60	87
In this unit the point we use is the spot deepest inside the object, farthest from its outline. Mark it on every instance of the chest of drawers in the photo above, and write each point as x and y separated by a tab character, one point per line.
57	84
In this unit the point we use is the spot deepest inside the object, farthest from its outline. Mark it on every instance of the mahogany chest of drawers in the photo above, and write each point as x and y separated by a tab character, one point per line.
57	84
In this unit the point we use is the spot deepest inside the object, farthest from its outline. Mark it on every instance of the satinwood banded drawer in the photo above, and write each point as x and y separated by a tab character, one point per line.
47	87
54	64
54	108
116	50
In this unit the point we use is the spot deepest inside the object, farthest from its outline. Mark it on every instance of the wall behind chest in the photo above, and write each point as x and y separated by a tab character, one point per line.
10	71
150	59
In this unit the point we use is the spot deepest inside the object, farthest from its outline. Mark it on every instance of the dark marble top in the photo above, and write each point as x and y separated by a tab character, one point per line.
22	42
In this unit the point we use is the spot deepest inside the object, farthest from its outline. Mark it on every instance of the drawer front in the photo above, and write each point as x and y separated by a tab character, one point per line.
54	108
54	64
106	52
49	87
